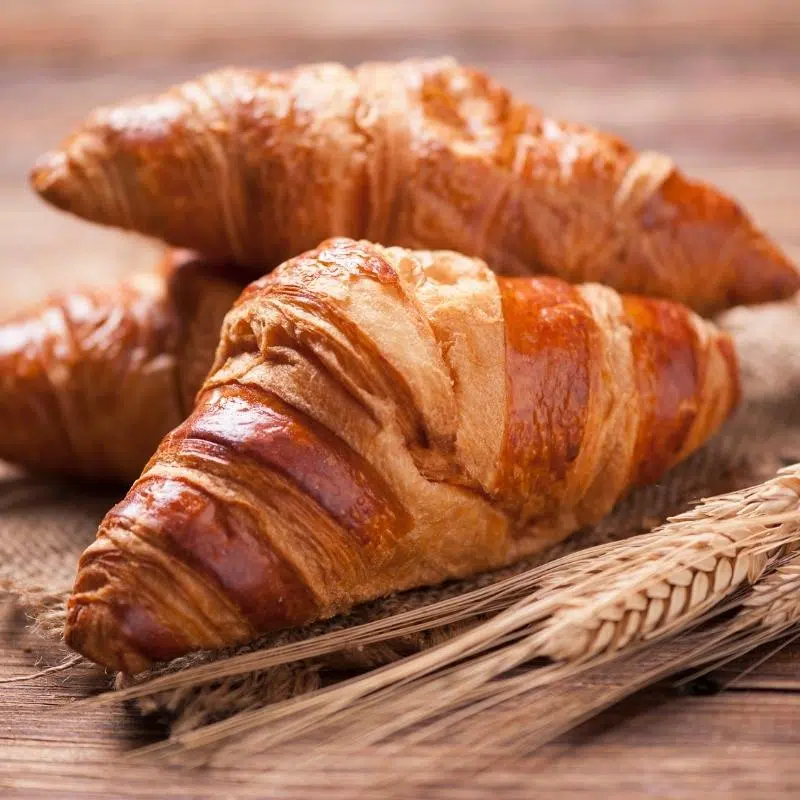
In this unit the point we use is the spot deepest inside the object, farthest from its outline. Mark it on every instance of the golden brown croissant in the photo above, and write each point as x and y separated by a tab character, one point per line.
91	380
259	166
378	419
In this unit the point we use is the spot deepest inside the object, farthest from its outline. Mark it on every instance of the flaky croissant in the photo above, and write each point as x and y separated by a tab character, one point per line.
378	419
259	166
92	379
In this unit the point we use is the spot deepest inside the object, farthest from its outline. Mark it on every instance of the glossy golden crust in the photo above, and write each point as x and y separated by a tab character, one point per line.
378	419
91	380
552	343
259	166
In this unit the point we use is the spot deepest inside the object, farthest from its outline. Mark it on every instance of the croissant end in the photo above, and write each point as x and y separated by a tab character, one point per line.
697	226
94	630
92	379
86	380
61	176
763	274
50	178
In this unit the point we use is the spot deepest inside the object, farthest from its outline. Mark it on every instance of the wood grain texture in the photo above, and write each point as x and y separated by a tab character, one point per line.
713	84
735	745
82	31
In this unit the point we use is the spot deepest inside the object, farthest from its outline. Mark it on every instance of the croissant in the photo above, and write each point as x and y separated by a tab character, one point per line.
259	166
378	419
92	379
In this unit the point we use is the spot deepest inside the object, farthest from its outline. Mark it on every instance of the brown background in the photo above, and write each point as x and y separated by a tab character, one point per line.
716	84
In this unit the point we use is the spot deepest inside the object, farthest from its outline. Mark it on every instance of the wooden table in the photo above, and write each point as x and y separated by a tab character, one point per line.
739	744
716	85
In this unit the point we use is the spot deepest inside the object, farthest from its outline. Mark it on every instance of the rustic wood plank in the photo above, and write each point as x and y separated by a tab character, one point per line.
764	669
84	30
656	743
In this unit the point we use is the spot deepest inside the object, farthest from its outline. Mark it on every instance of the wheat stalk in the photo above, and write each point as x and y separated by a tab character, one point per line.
590	608
519	718
769	610
703	555
653	592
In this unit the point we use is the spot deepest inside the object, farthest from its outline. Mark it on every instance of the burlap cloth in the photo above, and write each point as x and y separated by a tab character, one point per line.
45	525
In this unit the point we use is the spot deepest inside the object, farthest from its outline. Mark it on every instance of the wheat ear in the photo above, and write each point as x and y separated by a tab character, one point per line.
520	718
590	608
775	601
770	610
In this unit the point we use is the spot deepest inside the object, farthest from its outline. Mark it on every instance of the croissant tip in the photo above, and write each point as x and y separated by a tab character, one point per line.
49	176
93	630
791	283
767	275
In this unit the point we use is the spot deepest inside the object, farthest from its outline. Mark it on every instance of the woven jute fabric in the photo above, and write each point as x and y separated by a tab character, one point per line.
45	525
